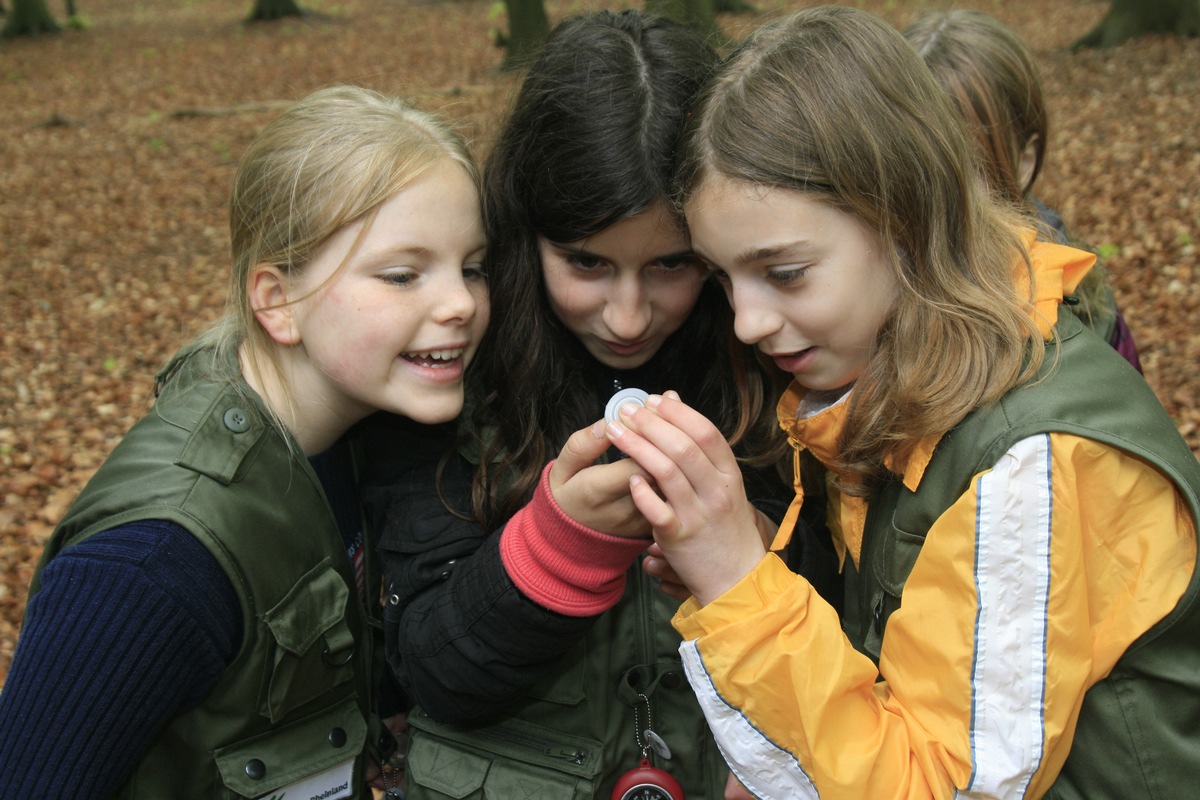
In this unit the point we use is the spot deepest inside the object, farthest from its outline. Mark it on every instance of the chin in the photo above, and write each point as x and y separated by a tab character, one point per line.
432	414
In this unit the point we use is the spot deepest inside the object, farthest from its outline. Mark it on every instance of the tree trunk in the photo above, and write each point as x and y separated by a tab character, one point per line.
28	18
528	27
700	14
1129	18
266	10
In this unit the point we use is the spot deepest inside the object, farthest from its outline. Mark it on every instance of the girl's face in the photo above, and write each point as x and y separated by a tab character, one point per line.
392	322
808	283
624	290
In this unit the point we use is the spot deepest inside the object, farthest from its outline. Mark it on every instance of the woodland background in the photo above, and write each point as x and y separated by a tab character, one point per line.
119	140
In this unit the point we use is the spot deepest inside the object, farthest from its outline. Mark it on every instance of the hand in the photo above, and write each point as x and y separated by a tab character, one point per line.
597	495
705	526
735	791
655	564
397	724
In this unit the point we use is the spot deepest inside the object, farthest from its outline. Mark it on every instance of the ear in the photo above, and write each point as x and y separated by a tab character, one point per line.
1027	163
267	290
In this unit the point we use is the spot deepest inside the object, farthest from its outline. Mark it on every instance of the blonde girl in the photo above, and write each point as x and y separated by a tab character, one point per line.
202	623
1015	512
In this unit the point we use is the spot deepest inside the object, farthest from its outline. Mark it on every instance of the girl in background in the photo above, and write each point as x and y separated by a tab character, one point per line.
1016	513
540	657
202	622
993	79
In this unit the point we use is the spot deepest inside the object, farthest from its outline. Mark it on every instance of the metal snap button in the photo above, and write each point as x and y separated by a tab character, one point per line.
256	769
337	659
337	737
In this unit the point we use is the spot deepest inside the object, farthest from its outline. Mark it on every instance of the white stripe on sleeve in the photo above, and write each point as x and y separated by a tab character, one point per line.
1012	581
767	770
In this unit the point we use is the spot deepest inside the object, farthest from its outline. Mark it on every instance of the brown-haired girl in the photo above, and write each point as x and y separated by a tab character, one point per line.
536	650
994	81
1015	511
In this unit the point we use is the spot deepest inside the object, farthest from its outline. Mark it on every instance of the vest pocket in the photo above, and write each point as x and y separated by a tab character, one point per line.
513	759
265	763
310	641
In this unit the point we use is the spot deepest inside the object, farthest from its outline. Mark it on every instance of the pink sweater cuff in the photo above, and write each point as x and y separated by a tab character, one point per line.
561	564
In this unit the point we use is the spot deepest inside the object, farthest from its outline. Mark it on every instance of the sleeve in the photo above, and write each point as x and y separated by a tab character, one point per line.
129	629
462	639
1026	592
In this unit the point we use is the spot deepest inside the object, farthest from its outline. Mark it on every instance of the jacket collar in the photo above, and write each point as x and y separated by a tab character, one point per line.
816	424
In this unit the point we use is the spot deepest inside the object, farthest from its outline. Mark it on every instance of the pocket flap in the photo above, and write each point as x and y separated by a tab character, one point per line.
266	762
314	605
516	740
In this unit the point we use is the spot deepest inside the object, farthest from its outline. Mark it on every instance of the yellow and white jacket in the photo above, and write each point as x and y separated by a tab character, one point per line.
1024	595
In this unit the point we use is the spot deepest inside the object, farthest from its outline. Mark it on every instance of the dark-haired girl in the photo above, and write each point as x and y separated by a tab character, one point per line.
539	655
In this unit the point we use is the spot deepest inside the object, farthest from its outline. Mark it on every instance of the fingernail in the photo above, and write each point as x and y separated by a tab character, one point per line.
671	393
653	400
615	429
627	409
598	430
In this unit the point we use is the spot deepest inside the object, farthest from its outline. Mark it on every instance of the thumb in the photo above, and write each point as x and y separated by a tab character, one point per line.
580	452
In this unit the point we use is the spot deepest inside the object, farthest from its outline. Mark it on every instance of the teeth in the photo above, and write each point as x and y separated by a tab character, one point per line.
439	355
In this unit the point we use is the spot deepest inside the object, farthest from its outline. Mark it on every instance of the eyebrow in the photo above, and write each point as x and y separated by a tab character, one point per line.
415	251
772	251
579	251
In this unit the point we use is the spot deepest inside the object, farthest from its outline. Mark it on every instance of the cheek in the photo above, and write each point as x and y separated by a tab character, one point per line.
674	301
573	301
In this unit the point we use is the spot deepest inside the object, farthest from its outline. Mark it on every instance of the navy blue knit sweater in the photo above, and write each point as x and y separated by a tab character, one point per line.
130	628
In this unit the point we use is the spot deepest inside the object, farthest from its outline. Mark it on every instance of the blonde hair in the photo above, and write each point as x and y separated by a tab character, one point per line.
329	160
834	102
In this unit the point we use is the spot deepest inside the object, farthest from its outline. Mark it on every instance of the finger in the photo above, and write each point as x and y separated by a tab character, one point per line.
656	511
700	429
581	451
676	591
667	452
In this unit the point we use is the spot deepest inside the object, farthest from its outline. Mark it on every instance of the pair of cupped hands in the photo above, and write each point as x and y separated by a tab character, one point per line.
681	484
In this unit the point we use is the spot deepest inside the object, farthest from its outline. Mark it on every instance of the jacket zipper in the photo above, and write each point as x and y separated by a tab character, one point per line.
547	748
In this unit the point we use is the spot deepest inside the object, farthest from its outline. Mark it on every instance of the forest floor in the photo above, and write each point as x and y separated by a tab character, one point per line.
118	145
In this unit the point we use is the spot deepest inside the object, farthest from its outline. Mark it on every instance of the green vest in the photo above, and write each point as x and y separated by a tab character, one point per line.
299	697
1137	733
575	733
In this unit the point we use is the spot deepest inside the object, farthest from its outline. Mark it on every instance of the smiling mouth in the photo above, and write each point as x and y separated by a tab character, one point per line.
435	358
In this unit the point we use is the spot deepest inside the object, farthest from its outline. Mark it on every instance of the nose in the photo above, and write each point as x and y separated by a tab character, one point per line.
459	301
627	310
753	319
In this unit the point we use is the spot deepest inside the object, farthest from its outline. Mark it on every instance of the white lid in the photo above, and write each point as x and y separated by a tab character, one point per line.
635	396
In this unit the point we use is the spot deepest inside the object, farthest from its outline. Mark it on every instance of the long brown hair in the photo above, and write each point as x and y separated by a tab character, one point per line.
833	102
993	79
591	140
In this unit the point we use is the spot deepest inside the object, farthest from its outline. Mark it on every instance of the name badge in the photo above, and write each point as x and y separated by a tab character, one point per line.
331	784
